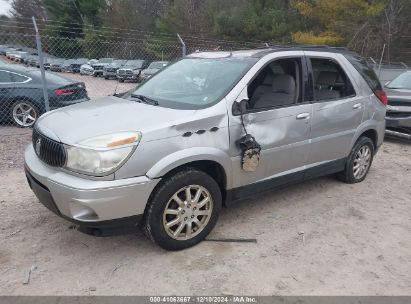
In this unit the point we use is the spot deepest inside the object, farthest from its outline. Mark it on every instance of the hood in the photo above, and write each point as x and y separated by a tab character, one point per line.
398	93
398	97
109	115
129	68
150	71
100	64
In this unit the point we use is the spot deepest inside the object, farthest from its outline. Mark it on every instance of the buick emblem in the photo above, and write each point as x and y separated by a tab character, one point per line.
38	146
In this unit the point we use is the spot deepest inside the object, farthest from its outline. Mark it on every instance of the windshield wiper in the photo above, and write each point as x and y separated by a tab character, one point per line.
145	99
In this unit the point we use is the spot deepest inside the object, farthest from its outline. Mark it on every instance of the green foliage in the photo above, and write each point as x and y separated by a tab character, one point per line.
157	48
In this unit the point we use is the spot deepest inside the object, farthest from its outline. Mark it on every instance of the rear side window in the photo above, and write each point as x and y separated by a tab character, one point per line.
365	71
330	80
18	78
5	77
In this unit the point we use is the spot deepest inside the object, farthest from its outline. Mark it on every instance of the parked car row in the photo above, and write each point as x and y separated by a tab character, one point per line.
135	70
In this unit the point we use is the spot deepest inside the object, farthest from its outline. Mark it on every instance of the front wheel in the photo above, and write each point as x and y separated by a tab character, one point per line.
359	161
183	210
24	114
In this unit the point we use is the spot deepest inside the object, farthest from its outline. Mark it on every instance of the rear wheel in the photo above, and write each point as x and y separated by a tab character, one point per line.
359	161
183	210
121	80
24	114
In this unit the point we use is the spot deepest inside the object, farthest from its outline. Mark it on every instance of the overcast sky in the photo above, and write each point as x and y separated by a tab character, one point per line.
4	7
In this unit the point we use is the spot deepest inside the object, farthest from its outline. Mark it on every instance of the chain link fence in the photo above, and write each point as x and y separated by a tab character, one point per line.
100	63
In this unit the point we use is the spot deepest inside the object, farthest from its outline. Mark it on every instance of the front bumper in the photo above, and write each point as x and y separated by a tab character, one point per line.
127	76
110	74
398	124
86	72
88	203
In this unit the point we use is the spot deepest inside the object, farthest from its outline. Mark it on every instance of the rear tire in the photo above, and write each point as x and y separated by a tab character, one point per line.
359	161
183	209
121	80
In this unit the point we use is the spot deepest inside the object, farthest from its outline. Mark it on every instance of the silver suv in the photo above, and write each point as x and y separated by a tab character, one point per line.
208	130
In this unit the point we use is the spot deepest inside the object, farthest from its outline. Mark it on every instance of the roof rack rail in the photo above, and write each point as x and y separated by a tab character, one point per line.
308	46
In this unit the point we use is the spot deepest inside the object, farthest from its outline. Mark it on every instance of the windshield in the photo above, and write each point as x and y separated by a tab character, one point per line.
134	63
401	82
157	65
105	60
194	83
119	62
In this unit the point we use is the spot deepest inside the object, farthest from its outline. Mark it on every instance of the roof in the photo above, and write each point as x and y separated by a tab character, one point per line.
259	53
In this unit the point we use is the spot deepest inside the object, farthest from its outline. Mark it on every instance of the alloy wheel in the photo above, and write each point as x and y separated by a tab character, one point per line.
24	114
187	212
362	162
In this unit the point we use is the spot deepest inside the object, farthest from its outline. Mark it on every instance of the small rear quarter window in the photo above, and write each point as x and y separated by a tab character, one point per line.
365	71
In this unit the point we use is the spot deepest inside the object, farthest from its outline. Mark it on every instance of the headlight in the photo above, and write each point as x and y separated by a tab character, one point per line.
102	155
136	71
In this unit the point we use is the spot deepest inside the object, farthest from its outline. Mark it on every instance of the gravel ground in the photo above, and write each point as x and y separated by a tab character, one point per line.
357	241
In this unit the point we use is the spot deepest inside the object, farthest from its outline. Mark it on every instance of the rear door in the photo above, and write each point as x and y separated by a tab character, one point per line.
338	107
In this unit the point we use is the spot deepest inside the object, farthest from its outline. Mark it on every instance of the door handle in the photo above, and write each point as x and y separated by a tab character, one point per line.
303	116
357	106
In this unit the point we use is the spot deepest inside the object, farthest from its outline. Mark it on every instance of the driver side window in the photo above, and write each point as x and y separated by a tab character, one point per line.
277	85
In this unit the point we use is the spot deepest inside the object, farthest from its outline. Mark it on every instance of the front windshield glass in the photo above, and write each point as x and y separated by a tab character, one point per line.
194	83
105	60
134	63
118	62
401	82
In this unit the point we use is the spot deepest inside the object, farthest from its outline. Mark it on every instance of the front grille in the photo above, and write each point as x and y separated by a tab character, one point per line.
398	114
49	151
399	102
98	67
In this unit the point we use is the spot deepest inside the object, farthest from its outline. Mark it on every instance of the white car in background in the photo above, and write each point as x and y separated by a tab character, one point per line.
87	69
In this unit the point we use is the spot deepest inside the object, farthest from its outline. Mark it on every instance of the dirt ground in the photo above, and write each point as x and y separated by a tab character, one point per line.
356	241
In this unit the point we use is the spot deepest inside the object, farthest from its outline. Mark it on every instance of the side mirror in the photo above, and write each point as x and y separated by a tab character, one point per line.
240	107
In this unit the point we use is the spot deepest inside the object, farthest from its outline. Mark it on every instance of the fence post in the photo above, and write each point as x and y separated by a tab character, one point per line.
183	45
382	56
43	74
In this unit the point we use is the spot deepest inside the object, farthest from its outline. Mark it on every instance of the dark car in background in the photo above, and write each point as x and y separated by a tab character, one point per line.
398	117
153	68
131	70
76	64
57	65
21	94
110	71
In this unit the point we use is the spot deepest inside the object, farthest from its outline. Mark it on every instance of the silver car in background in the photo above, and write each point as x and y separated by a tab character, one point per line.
131	70
207	131
398	118
87	68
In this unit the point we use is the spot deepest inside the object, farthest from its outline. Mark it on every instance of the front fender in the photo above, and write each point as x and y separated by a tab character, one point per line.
182	157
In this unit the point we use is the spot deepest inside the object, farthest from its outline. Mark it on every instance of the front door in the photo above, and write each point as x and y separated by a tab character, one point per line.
278	117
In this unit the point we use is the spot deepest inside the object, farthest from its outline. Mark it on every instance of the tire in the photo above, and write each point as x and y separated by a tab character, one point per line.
24	114
105	77
185	214
358	157
121	80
